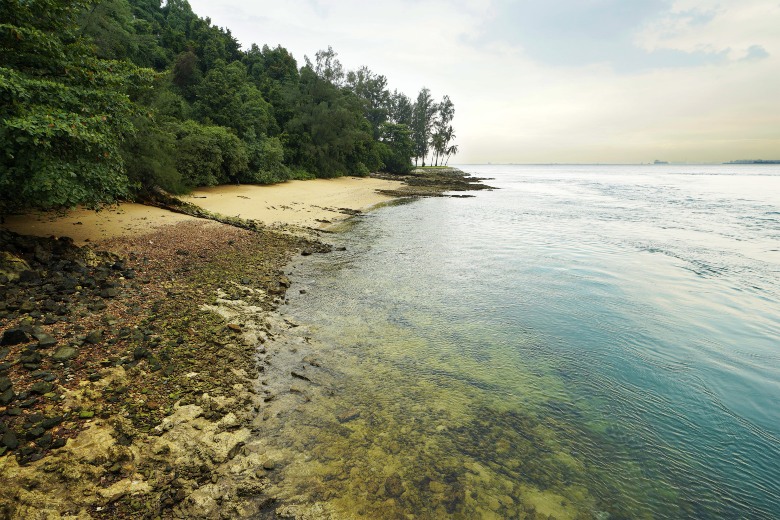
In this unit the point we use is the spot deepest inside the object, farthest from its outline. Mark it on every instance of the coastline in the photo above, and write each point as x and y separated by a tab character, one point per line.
151	366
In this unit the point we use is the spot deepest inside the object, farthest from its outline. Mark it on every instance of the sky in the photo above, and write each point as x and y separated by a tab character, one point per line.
556	81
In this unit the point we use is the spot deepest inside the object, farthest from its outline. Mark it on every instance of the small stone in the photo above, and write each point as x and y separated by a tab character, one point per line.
86	414
35	432
269	465
9	440
140	353
234	327
51	422
44	441
111	292
5	384
14	337
349	415
94	337
7	396
41	387
299	375
64	354
43	374
45	340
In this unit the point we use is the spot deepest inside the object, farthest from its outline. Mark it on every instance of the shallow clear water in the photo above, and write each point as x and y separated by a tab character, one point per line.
585	342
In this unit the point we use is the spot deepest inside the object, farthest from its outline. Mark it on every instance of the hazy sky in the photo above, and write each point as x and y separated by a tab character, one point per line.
556	80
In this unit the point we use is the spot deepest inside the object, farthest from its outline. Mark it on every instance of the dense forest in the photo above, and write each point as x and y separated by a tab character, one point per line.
103	100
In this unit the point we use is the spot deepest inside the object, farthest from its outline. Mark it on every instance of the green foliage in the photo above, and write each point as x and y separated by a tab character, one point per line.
266	160
83	122
423	116
208	155
64	112
149	156
398	148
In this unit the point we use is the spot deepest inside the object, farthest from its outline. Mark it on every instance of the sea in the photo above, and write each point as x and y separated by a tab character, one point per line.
581	342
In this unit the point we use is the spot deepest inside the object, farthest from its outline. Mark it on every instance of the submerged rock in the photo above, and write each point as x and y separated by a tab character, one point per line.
394	486
349	415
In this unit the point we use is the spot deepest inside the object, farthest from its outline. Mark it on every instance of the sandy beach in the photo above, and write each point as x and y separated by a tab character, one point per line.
314	204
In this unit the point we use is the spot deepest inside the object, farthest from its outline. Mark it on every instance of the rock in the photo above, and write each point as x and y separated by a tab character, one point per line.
30	358
5	384
64	354
12	266
45	340
394	487
45	440
269	465
9	440
234	327
140	353
349	415
27	306
299	375
44	374
312	361
51	422
97	306
306	252
4	352
35	433
94	337
41	387
285	282
111	292
7	397
86	414
14	337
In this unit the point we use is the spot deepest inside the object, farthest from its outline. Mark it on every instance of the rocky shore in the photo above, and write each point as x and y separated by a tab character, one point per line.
131	377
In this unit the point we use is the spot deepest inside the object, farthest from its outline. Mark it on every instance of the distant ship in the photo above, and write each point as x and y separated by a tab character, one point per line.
660	162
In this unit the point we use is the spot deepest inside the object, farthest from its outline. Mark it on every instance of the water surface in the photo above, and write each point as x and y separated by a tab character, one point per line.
585	342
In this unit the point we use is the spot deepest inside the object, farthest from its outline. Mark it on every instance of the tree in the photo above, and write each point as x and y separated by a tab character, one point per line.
398	148
328	134
327	66
442	129
401	109
63	111
422	122
372	91
207	155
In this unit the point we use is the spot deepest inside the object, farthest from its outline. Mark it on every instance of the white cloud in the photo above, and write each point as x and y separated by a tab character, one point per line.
703	88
